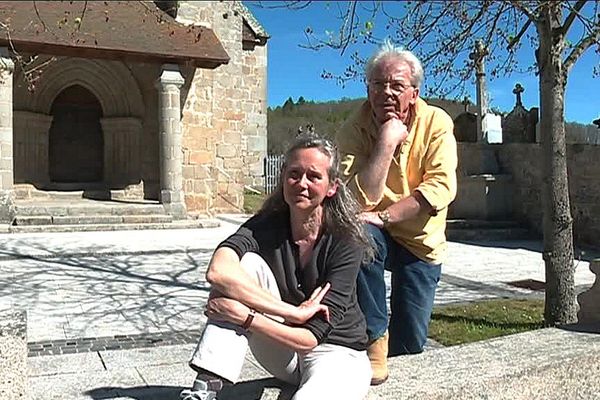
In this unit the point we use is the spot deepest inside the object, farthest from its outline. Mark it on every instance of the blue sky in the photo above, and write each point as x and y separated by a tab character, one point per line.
295	71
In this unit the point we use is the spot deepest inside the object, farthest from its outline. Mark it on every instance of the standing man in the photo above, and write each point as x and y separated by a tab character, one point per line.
399	157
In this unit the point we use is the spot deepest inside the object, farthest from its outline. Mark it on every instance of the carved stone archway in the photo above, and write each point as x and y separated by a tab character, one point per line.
119	95
110	81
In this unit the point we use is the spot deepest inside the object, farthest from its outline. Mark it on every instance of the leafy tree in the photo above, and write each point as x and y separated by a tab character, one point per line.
288	106
442	34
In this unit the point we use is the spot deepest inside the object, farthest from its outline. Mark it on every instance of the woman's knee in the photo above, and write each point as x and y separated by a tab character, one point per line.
253	263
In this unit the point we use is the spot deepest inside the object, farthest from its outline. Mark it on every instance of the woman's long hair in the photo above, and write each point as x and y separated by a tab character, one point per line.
340	211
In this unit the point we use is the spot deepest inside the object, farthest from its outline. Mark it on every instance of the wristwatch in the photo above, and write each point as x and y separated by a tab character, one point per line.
384	216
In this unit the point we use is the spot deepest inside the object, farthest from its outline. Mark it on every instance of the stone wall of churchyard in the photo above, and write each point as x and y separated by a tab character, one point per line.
524	162
224	117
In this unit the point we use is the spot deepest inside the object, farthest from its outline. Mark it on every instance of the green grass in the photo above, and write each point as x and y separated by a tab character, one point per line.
252	202
466	323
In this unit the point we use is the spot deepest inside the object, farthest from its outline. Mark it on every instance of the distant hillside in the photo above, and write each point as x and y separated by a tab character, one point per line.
328	117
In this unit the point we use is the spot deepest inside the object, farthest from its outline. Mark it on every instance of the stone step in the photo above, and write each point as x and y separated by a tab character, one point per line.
488	230
185	224
94	208
26	220
489	234
480	224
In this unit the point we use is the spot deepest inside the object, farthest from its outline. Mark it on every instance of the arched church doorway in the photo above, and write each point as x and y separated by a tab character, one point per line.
76	145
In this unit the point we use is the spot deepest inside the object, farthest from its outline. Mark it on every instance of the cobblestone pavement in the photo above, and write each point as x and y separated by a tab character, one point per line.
116	342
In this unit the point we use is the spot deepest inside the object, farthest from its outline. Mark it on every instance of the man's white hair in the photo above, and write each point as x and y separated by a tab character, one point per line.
389	50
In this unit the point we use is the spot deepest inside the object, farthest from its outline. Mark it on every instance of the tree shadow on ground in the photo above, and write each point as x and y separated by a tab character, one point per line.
143	292
247	390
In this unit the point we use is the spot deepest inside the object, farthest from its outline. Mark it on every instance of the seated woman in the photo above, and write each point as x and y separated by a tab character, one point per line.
285	284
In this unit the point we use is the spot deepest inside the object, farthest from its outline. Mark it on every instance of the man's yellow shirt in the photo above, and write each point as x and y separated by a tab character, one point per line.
426	162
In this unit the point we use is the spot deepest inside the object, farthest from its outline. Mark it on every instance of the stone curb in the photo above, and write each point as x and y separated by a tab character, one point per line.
91	253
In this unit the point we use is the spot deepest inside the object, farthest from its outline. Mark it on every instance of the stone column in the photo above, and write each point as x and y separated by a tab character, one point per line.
477	56
6	137
30	147
122	154
171	155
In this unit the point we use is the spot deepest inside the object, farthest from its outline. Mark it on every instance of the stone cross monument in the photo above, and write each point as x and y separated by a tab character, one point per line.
477	55
518	90
466	103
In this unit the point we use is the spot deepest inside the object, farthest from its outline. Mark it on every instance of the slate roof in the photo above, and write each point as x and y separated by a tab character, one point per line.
257	29
132	30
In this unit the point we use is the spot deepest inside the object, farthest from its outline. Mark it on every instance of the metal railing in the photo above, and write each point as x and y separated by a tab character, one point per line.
273	164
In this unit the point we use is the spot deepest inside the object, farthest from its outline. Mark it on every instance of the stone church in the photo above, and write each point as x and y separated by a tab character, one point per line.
131	102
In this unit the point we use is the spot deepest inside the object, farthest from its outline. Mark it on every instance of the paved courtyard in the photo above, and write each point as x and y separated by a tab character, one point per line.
132	301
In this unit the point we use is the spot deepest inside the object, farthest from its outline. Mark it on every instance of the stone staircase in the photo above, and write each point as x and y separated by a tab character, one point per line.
92	215
483	208
464	230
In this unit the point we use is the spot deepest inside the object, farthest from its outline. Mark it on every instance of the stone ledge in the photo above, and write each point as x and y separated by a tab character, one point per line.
13	354
180	224
544	364
589	301
540	365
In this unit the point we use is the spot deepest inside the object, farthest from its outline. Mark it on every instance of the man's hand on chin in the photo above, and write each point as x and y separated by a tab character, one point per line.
393	131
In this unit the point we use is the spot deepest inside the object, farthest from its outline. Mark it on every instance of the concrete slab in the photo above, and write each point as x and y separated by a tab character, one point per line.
545	364
148	357
83	385
64	364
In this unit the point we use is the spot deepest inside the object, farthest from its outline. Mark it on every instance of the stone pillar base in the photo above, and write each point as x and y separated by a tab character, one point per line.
173	204
7	206
176	210
589	301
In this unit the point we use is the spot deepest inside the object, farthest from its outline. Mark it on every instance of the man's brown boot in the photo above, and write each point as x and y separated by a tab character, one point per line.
377	352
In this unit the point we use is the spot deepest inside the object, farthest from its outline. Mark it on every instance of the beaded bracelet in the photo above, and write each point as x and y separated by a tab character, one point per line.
249	319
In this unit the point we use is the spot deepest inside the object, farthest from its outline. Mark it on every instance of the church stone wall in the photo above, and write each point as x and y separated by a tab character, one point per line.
224	117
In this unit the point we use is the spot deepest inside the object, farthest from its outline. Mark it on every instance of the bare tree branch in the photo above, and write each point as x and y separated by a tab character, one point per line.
571	17
523	8
345	37
580	47
589	24
37	12
517	38
82	16
292	5
30	75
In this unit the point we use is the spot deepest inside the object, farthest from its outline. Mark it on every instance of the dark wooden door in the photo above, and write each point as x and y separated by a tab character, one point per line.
76	142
